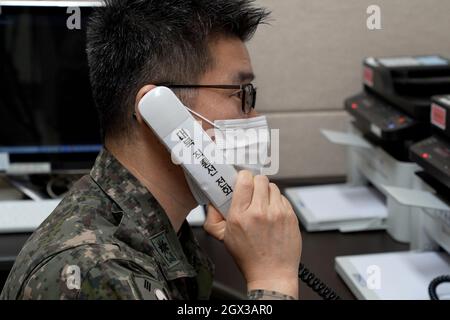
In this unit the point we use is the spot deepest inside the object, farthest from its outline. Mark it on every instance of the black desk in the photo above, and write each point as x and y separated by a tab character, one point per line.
319	251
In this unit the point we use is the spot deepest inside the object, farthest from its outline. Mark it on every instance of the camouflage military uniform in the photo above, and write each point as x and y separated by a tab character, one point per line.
110	239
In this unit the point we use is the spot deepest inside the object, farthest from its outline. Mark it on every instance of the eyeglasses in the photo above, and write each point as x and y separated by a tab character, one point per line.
246	92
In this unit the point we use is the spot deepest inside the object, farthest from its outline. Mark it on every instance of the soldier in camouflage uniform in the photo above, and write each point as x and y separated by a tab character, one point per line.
110	237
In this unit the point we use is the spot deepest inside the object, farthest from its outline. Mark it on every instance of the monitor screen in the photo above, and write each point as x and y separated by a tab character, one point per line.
47	113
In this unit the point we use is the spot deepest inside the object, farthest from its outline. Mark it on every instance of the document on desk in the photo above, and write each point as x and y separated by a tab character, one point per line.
339	202
416	198
346	139
392	276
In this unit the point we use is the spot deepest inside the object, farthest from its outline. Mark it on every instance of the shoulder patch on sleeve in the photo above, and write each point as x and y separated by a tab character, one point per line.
150	289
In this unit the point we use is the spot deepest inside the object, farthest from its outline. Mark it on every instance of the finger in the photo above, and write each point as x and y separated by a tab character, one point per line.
275	195
213	215
287	204
215	224
261	192
243	191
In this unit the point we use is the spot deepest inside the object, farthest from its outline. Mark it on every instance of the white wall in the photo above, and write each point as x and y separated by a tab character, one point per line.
308	60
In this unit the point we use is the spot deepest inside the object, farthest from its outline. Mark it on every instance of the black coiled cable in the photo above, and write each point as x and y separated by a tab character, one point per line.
434	284
316	284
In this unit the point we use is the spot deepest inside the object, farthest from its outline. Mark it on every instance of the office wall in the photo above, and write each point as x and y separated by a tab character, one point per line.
308	60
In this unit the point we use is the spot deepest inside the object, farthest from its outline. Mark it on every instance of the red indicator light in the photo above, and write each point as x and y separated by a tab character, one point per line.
354	105
439	116
401	119
425	155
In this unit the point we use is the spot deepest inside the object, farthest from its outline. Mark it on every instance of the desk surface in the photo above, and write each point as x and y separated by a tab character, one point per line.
319	251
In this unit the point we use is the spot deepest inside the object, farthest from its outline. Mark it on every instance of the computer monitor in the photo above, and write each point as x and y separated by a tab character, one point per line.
48	122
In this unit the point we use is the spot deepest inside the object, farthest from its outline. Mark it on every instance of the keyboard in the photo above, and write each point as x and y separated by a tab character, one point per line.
20	216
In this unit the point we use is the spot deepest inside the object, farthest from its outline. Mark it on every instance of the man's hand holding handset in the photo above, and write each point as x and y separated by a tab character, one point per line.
262	234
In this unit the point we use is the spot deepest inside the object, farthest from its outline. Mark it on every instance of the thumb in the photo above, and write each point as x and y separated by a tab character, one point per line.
215	223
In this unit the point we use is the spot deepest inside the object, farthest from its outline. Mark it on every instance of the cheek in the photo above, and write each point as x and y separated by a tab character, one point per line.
215	106
232	109
209	129
226	108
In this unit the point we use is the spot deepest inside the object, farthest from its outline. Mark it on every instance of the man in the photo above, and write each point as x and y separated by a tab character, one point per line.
121	232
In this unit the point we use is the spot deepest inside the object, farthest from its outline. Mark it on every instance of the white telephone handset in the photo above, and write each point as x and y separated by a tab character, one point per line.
169	119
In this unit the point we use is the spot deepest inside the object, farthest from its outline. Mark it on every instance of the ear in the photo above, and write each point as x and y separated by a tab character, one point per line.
141	93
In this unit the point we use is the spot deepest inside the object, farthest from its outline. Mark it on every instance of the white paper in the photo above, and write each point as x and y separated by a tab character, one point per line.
375	130
341	202
404	275
445	100
25	168
4	161
24	215
347	139
416	198
371	62
399	62
432	61
27	215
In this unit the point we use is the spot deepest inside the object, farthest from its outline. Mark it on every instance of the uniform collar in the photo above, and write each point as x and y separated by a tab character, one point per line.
144	225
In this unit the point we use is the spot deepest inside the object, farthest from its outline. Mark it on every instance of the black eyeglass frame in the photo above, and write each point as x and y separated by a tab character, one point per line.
248	92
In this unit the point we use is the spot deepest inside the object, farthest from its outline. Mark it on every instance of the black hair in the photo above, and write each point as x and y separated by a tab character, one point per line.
131	43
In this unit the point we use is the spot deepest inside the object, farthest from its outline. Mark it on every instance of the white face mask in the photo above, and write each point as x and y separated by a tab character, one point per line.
245	143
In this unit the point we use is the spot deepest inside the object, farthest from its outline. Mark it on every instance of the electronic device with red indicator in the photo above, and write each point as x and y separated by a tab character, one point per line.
393	111
433	154
370	111
408	82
